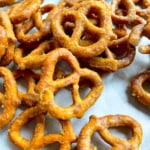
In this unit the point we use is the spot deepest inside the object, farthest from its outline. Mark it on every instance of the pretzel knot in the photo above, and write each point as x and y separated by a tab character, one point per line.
47	86
39	139
83	22
36	21
9	100
101	125
137	87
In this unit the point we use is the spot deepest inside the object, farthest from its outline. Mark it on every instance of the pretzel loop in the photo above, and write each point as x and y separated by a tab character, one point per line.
48	86
102	124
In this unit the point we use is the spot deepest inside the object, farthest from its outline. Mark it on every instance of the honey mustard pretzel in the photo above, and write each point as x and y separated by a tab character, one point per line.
9	99
23	10
47	86
36	57
11	39
39	139
83	29
137	88
102	124
36	21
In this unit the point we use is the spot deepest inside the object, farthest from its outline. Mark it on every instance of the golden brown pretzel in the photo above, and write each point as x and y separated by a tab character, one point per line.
130	15
47	86
102	124
39	140
137	88
23	10
36	57
81	16
9	99
36	21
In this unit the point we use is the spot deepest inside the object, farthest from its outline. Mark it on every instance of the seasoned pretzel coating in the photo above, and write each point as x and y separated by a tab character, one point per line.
36	21
9	99
11	39
26	9
47	86
102	124
137	88
36	57
39	140
81	16
30	97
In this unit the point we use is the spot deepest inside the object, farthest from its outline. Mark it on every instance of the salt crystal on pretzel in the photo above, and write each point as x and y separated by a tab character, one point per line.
102	124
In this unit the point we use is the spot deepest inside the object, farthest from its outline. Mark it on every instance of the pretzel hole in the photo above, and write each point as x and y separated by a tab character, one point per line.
62	70
121	132
2	89
22	85
98	142
93	16
85	86
52	126
122	9
146	85
68	24
63	97
88	38
28	129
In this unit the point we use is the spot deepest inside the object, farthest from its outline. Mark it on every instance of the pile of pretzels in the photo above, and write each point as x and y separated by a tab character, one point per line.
94	38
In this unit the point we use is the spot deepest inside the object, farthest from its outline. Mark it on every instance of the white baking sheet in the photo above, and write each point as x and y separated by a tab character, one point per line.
115	99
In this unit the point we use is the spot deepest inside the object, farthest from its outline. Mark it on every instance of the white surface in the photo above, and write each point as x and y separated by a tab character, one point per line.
115	99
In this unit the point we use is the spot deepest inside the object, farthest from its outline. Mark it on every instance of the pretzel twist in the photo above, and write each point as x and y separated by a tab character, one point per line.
42	25
39	140
47	86
9	100
101	125
83	27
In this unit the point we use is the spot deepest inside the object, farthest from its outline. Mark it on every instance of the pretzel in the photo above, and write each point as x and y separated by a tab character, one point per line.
9	99
80	16
25	8
39	140
130	15
47	86
102	124
7	49
138	90
42	26
36	57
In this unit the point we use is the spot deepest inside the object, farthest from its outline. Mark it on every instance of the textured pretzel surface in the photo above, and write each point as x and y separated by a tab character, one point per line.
102	124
